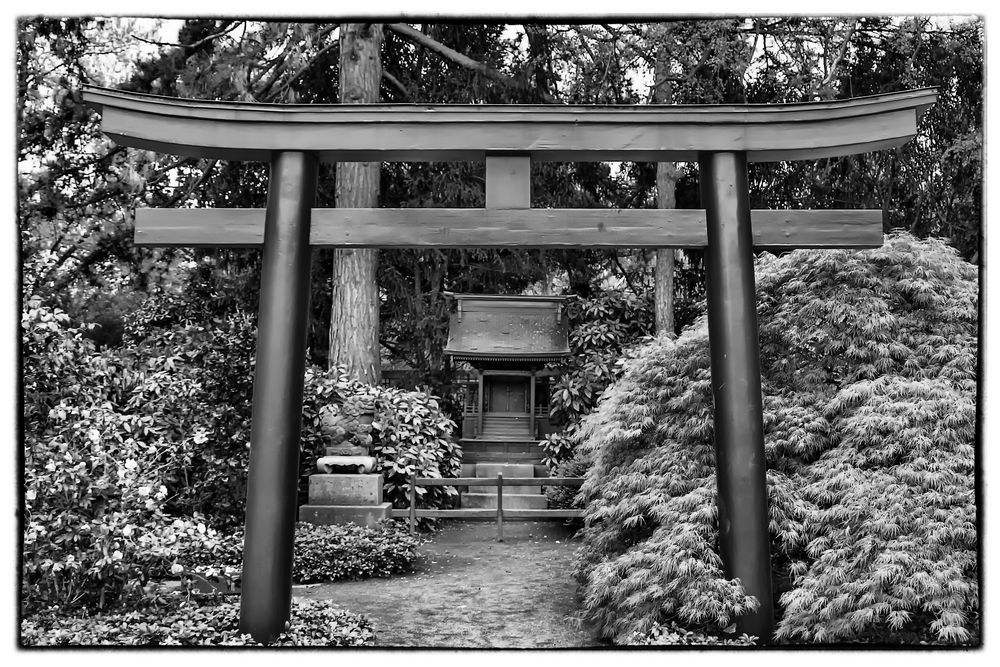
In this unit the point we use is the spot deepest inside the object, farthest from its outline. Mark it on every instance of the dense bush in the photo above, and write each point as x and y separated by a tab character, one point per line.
601	327
194	623
95	460
214	356
129	452
869	385
322	553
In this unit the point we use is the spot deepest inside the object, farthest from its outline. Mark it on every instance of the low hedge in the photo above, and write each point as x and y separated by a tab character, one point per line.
335	553
322	553
184	622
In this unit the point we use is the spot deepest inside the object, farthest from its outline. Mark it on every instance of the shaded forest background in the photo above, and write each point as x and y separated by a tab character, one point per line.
78	192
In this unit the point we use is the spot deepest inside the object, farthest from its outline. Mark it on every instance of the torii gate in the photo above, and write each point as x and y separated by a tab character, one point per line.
294	138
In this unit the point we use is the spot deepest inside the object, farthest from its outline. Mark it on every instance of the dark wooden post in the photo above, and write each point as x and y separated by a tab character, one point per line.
531	408
499	507
479	417
277	397
735	353
413	503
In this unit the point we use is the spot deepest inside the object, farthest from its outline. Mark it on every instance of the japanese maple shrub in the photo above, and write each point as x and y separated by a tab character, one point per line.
869	386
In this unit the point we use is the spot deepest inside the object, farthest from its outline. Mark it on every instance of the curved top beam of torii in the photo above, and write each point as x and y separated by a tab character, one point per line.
418	132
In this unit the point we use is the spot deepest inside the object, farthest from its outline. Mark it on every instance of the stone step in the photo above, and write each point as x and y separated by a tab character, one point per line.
513	501
507	489
507	469
490	470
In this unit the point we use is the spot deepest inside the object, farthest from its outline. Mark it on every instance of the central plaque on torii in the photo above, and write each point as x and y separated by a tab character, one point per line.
295	138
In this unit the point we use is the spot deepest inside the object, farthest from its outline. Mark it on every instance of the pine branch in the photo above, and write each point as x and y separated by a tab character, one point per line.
309	63
227	27
100	251
828	79
463	60
395	83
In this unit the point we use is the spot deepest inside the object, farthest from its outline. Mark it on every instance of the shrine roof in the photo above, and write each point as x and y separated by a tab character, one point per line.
508	328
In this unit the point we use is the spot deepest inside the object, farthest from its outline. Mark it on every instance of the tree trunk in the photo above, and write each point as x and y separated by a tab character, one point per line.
355	299
666	186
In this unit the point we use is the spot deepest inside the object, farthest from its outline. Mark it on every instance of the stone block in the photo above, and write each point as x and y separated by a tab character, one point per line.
345	489
328	515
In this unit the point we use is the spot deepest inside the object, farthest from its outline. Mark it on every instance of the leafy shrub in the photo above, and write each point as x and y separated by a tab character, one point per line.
322	553
566	497
94	481
558	447
601	327
131	453
869	386
213	354
194	623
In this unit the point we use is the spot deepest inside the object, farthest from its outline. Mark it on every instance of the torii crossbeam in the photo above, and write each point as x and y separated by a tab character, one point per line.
294	138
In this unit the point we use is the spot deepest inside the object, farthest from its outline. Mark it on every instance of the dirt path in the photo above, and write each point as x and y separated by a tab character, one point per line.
469	591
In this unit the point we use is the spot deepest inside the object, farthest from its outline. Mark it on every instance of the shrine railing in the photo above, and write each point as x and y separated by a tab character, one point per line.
413	513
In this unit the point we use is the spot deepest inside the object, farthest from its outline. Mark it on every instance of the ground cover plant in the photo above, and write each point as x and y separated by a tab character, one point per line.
869	382
184	622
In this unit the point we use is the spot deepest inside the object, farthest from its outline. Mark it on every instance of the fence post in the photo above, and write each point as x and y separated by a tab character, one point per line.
413	503
499	507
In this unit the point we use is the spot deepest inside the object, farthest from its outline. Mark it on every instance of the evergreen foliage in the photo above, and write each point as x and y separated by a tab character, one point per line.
869	385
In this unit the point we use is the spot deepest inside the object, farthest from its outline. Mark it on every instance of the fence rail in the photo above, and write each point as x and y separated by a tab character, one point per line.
500	513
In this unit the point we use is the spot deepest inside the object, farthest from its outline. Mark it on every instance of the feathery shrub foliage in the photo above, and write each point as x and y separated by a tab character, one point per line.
869	387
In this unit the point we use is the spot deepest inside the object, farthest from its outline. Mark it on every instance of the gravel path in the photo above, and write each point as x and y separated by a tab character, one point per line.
469	591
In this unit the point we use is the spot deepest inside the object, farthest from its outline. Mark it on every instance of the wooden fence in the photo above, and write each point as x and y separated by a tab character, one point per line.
487	513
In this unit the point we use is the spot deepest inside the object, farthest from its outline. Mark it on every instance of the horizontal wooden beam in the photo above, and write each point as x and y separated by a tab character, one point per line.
492	481
409	132
532	228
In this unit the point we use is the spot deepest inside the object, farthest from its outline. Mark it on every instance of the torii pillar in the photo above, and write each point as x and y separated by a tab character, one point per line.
741	474
276	426
293	138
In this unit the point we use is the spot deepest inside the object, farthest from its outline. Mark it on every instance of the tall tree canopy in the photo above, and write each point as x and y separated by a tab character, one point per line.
78	191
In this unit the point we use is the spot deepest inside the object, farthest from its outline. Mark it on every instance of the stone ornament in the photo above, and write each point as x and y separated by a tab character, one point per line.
347	428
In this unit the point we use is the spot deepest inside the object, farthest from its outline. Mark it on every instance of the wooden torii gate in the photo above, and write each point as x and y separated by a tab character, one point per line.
294	138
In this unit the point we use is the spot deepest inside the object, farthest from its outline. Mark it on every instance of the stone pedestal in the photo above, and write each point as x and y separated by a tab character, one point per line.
340	499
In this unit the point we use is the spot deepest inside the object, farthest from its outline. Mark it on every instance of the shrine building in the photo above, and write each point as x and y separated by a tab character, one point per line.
508	341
